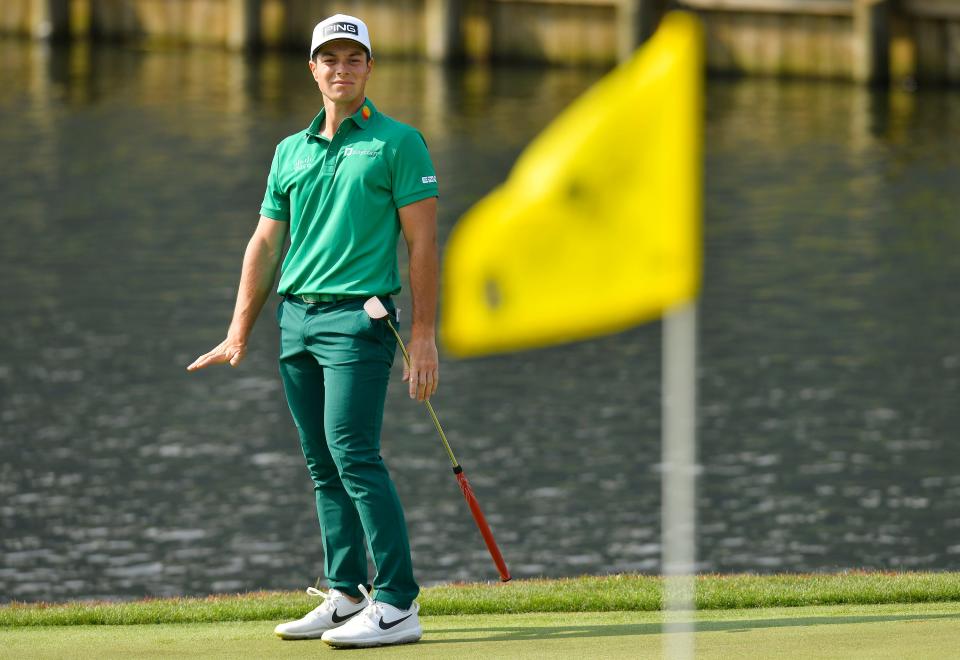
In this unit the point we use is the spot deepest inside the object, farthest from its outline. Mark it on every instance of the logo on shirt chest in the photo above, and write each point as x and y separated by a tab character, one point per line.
350	151
303	163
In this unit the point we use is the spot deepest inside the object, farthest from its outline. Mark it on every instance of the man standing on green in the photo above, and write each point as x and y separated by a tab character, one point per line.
345	188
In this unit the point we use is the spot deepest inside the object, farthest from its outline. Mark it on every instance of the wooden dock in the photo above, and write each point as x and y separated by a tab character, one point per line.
869	41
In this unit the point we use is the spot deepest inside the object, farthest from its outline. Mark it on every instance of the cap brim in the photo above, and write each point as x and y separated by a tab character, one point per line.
338	37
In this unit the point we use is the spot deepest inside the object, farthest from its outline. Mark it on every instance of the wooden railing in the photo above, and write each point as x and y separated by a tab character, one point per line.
800	7
862	40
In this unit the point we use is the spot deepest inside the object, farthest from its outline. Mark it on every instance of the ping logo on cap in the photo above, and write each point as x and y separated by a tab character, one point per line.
335	28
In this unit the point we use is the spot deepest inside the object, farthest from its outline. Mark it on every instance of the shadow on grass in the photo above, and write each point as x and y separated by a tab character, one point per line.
519	633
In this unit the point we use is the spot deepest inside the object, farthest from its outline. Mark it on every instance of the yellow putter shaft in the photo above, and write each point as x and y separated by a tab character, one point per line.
433	414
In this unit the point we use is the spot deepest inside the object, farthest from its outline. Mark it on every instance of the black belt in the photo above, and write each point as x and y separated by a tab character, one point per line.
316	298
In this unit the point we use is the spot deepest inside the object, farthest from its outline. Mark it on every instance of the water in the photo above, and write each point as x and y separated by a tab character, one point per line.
829	372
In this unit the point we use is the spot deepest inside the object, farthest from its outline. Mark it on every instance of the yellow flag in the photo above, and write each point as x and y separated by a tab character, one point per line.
597	227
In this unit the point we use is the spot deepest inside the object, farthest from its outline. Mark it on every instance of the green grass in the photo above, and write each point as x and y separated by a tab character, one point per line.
615	593
927	630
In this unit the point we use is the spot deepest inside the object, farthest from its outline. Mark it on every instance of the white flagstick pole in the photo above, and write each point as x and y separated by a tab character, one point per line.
679	449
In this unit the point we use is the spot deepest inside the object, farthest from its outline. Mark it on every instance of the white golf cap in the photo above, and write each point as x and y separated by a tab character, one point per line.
340	26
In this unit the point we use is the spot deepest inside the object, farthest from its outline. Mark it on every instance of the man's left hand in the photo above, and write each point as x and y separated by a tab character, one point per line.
423	372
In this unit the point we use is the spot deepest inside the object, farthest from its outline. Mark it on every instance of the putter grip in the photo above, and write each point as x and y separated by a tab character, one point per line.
482	525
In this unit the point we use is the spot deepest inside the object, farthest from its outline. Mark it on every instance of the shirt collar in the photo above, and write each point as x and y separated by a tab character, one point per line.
365	114
361	118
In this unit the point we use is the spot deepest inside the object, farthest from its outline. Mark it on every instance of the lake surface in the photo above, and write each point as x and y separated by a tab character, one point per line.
829	352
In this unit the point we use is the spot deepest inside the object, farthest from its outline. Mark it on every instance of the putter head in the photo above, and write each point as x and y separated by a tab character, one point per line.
375	309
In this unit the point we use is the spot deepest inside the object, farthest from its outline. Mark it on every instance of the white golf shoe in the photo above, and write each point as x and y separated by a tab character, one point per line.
335	610
379	624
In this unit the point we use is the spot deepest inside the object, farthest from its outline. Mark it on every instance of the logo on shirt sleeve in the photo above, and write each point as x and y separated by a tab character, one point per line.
428	179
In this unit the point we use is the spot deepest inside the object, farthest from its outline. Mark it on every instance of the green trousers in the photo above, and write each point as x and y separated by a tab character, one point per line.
335	364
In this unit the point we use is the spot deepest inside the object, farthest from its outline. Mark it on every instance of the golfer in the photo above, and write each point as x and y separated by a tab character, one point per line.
344	189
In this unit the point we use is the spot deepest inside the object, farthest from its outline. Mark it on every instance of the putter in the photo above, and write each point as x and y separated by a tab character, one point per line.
376	311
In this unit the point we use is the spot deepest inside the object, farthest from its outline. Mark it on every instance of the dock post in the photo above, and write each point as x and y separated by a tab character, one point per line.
636	22
871	41
443	33
243	18
50	19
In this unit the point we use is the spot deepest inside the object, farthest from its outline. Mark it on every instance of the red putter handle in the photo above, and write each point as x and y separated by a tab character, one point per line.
482	525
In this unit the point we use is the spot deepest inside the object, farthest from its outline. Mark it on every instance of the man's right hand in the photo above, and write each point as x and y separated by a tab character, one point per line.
260	262
229	350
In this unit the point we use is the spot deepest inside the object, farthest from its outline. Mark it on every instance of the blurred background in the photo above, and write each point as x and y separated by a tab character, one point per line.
136	136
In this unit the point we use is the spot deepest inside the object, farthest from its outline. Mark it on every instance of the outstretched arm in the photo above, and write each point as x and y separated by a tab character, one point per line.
419	222
260	263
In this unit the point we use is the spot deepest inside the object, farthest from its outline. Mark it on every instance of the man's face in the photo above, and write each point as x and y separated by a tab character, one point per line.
341	69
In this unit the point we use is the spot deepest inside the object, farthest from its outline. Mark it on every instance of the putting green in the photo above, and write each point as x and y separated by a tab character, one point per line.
930	630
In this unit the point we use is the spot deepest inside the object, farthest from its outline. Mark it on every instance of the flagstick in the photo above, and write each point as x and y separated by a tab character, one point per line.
678	512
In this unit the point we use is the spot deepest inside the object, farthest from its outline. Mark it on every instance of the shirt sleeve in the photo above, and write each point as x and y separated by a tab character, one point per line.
413	175
276	203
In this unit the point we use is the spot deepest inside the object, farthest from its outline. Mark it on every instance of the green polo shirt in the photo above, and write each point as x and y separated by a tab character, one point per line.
341	198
